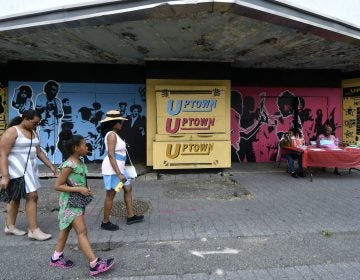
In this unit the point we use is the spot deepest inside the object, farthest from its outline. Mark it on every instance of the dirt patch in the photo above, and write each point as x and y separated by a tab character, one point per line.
215	188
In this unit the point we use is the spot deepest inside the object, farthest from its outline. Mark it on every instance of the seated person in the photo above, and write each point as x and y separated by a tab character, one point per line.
328	140
293	138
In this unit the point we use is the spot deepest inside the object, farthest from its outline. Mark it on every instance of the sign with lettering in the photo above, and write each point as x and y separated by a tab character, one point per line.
198	110
191	124
351	115
192	154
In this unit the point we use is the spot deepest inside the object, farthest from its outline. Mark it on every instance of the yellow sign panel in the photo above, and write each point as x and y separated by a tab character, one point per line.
188	124
183	109
351	120
351	115
194	154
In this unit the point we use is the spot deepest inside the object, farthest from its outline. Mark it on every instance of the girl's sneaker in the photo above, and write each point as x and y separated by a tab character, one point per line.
61	262
101	266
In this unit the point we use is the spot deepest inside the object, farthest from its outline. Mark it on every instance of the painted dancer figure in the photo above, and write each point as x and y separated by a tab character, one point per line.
239	133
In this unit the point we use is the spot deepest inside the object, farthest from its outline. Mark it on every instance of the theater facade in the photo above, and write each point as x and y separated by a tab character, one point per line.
202	83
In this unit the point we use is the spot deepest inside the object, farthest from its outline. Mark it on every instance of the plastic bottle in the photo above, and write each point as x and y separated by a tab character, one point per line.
119	186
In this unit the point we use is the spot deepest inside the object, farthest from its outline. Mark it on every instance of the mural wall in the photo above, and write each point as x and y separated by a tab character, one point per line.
351	111
260	115
3	107
80	107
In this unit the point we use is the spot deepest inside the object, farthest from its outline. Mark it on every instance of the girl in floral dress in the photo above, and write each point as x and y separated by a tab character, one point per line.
72	179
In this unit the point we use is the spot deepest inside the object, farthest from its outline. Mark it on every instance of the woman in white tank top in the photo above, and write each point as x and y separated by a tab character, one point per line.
19	151
112	169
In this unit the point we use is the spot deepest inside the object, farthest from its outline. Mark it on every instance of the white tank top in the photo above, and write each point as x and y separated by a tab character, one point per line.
17	160
120	148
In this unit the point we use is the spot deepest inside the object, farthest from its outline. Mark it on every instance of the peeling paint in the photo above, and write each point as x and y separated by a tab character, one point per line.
187	33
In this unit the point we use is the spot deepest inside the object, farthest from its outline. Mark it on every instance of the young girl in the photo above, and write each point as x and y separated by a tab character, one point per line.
72	178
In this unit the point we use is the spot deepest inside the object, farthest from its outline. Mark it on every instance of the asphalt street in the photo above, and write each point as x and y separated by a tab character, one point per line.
252	221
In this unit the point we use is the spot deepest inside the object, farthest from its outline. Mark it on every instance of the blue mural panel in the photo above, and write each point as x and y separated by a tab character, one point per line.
80	107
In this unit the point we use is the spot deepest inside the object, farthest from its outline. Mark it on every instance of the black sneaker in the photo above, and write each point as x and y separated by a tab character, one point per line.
109	226
135	219
101	266
294	174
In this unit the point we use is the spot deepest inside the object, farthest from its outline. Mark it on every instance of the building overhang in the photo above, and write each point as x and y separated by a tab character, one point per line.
252	34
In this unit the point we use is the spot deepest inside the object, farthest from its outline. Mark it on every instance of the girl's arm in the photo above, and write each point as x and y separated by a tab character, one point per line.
42	156
7	141
111	141
61	186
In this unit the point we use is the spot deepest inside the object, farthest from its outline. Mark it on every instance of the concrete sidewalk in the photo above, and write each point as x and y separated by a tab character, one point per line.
284	228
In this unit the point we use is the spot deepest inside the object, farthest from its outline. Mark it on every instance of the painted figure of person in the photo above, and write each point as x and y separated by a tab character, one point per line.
85	127
306	118
248	118
284	118
50	108
22	99
122	108
67	120
240	133
2	100
134	131
96	114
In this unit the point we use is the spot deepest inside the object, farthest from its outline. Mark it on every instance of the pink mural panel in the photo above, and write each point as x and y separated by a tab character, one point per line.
260	115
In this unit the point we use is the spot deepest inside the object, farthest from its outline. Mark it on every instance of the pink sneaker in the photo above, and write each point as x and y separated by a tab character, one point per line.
61	262
101	266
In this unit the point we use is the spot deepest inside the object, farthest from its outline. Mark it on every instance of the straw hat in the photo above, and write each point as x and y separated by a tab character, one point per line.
113	115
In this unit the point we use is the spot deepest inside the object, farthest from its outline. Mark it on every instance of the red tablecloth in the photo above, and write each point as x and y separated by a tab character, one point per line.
340	157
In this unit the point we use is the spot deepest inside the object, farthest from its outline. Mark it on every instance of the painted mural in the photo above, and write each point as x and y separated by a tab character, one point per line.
3	107
260	116
80	107
351	115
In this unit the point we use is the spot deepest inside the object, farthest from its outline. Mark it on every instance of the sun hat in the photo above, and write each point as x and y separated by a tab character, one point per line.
113	115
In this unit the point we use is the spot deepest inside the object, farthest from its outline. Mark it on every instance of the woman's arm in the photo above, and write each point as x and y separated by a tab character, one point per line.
321	136
7	141
42	156
111	143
